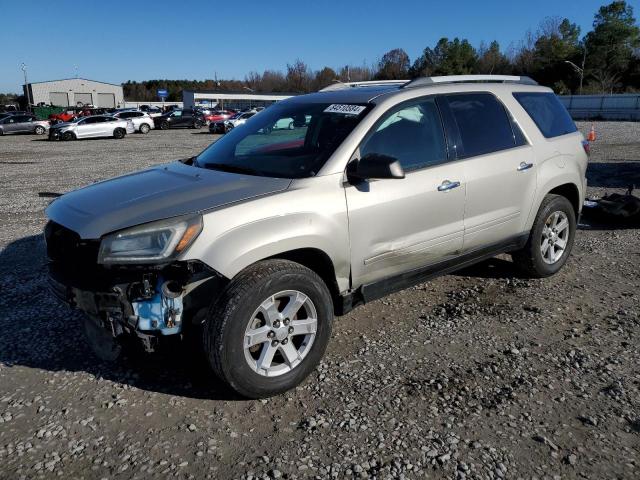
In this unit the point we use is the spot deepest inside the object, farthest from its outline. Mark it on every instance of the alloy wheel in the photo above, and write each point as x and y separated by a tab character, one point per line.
280	333
555	236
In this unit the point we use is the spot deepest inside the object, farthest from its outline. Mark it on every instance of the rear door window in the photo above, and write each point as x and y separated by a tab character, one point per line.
549	115
482	122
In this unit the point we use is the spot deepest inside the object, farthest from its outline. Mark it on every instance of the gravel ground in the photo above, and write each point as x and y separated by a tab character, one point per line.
482	374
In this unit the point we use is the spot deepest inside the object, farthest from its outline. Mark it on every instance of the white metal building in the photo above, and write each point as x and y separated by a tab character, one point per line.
236	100
74	92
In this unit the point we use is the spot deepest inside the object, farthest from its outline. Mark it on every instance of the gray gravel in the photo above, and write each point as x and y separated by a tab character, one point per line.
482	374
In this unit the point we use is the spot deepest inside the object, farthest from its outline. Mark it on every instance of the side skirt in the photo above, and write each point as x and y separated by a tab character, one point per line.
373	291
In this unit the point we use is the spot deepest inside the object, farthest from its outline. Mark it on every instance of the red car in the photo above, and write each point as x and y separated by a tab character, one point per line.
218	116
65	116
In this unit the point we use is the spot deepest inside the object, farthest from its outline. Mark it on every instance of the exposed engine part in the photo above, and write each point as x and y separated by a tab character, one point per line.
162	312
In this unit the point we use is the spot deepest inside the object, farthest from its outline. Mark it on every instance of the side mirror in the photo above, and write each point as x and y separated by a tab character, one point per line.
375	166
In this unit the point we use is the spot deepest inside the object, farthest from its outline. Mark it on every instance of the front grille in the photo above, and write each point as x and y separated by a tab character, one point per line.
66	246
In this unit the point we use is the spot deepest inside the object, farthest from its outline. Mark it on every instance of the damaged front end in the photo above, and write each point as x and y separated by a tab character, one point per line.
146	301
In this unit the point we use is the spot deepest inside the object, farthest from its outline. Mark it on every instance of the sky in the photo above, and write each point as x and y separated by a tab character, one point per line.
114	41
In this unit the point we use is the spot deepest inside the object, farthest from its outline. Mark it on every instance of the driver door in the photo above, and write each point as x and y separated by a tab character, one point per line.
398	225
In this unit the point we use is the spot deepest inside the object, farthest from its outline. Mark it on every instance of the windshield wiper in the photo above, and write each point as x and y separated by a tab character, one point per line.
231	168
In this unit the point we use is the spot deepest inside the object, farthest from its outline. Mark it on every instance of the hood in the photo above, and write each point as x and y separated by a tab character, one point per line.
62	125
157	193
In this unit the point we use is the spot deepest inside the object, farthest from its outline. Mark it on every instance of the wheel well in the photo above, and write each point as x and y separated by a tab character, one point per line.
320	263
571	193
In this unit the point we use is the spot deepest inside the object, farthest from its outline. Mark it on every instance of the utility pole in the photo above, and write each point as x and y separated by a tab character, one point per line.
584	60
23	67
579	70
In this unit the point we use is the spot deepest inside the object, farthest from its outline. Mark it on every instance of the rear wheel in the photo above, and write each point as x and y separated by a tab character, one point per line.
269	329
39	130
550	240
144	128
68	136
119	133
197	124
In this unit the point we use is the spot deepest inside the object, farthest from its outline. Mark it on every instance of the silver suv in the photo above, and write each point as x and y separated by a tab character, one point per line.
256	243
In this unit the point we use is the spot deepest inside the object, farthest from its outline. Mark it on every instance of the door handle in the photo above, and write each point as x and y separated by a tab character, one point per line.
448	185
524	166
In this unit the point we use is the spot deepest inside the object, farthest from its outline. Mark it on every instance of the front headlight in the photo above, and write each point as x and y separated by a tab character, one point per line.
150	243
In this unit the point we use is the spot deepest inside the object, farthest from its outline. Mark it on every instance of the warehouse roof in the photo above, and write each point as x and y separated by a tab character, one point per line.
78	78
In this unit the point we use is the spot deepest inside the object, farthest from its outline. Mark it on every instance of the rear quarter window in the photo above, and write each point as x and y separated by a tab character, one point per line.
549	115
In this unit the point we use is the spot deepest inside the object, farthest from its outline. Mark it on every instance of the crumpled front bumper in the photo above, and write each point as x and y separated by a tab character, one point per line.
144	305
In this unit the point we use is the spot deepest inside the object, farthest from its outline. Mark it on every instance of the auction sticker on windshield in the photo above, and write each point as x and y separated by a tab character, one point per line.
345	109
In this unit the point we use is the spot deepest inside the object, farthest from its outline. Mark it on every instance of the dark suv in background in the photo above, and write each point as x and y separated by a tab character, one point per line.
179	118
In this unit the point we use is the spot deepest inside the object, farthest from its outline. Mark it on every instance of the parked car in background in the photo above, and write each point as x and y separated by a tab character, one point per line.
65	116
218	116
151	110
22	123
13	112
91	127
179	118
142	122
224	126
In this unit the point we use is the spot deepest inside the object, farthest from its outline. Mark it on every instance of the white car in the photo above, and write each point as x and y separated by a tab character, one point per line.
142	122
92	127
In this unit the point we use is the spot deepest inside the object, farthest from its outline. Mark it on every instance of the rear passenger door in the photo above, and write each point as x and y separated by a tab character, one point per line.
498	167
397	225
24	123
186	119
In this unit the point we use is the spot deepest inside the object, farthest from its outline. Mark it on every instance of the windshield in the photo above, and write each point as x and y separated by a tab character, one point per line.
286	140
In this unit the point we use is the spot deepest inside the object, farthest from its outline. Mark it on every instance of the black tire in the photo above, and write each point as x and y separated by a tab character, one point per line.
39	130
530	259
164	126
229	316
197	124
144	128
68	136
119	133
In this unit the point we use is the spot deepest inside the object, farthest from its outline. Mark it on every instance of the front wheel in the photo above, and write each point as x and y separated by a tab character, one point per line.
550	240
164	126
144	128
197	124
269	329
119	133
39	130
68	136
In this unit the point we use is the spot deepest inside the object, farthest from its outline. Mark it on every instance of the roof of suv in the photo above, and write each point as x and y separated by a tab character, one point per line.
376	93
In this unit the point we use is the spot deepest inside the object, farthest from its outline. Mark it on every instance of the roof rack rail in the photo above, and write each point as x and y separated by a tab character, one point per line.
370	83
423	81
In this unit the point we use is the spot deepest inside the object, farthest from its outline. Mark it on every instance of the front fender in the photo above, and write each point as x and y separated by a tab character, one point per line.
313	215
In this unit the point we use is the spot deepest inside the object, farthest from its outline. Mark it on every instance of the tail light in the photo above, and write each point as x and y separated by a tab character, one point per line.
587	147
